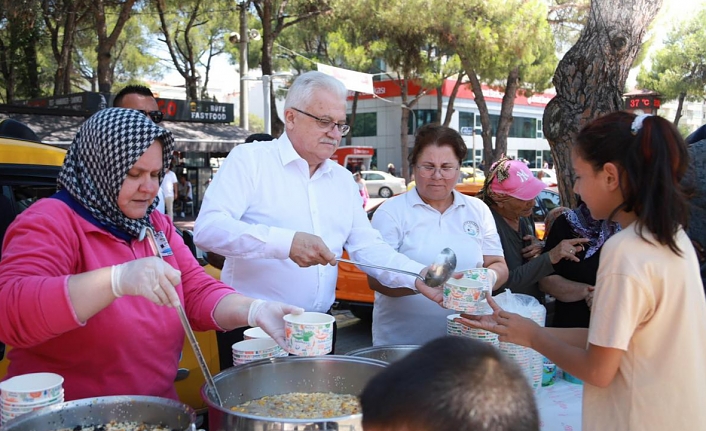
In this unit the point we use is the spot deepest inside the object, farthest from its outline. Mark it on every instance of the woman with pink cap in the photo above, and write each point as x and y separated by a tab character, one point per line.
510	190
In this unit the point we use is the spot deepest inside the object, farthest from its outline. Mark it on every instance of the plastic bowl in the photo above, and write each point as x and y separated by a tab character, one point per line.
254	333
31	388
309	333
466	294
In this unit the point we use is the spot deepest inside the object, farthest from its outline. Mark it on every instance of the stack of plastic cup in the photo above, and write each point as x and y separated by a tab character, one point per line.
480	335
453	328
28	392
256	349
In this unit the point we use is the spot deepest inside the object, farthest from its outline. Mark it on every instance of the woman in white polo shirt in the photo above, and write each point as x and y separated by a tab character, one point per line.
423	221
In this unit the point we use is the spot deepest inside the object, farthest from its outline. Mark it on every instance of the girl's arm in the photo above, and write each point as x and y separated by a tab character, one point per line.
596	365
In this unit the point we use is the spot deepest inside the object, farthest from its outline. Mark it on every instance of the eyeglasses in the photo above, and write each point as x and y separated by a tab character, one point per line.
325	123
156	116
428	171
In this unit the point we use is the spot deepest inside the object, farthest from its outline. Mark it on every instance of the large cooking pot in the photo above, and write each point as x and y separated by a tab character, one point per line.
387	354
98	411
274	376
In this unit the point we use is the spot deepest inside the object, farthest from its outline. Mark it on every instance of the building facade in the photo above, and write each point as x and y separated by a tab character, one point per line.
378	120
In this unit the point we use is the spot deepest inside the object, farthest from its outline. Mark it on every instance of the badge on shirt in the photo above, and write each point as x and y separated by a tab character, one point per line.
471	228
163	244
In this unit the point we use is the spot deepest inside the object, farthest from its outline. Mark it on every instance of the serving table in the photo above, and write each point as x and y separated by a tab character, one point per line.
560	406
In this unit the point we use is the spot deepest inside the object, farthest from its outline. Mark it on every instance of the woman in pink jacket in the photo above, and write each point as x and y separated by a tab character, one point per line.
83	297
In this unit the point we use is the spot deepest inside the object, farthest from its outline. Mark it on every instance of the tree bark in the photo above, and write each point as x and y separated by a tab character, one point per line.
506	107
489	155
452	98
107	42
680	106
351	122
590	79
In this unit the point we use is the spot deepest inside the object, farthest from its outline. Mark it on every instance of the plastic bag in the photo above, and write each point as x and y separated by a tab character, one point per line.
529	360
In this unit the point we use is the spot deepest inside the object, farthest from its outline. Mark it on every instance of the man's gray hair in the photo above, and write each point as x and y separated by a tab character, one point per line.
302	90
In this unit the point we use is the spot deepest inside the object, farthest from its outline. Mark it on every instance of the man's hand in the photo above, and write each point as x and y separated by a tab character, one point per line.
436	294
308	250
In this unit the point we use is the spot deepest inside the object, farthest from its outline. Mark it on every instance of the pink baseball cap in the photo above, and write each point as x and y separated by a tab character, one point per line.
520	183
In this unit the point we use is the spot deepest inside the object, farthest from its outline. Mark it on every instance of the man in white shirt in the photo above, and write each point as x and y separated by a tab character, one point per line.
169	188
282	211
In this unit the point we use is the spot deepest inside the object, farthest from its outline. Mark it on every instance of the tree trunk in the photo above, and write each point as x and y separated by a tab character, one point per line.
489	155
511	87
62	78
680	106
590	79
452	98
439	102
351	122
106	42
8	73
404	133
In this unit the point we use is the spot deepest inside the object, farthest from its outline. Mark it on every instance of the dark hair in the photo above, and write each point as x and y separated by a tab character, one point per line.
259	137
652	160
435	134
451	383
131	89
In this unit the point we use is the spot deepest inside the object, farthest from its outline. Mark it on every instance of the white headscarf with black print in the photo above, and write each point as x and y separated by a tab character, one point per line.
105	148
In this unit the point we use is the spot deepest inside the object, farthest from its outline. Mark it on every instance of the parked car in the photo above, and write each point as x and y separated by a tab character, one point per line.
352	290
467	173
382	184
28	172
546	175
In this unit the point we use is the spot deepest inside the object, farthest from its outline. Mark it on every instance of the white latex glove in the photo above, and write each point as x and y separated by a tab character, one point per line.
149	277
268	315
493	277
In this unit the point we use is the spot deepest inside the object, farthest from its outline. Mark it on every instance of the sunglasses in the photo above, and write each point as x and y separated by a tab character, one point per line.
156	116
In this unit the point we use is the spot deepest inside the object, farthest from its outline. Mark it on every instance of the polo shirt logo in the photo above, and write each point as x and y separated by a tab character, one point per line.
471	228
523	176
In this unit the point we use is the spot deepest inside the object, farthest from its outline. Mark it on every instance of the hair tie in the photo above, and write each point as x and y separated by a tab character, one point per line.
637	123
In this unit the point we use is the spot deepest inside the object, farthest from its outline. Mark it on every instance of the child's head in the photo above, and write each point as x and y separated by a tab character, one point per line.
451	383
633	164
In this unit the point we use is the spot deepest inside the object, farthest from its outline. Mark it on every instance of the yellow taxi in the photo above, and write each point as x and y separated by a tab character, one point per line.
28	172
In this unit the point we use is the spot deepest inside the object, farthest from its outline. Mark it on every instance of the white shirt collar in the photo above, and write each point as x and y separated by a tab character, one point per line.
288	154
415	199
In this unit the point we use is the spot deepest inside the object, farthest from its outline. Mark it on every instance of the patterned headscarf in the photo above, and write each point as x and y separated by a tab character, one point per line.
598	231
500	171
105	148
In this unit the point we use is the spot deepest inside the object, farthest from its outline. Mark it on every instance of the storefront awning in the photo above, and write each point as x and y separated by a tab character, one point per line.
189	137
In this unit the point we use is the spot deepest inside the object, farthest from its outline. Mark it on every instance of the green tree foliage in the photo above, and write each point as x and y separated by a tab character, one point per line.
405	45
678	69
19	41
276	16
195	31
507	45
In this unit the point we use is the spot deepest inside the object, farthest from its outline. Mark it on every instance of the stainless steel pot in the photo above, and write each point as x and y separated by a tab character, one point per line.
387	354
98	411
337	374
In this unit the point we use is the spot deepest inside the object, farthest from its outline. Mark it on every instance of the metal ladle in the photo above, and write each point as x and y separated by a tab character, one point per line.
149	233
439	271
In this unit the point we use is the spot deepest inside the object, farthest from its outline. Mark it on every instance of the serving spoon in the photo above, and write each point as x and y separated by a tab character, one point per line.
439	271
149	233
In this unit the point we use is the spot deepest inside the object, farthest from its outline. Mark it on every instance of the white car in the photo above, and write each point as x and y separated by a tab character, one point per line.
548	176
382	184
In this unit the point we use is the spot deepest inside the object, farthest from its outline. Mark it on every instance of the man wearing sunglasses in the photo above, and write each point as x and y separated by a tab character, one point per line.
281	212
140	98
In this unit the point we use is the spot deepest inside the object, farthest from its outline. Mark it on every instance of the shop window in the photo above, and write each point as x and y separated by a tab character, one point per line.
366	124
